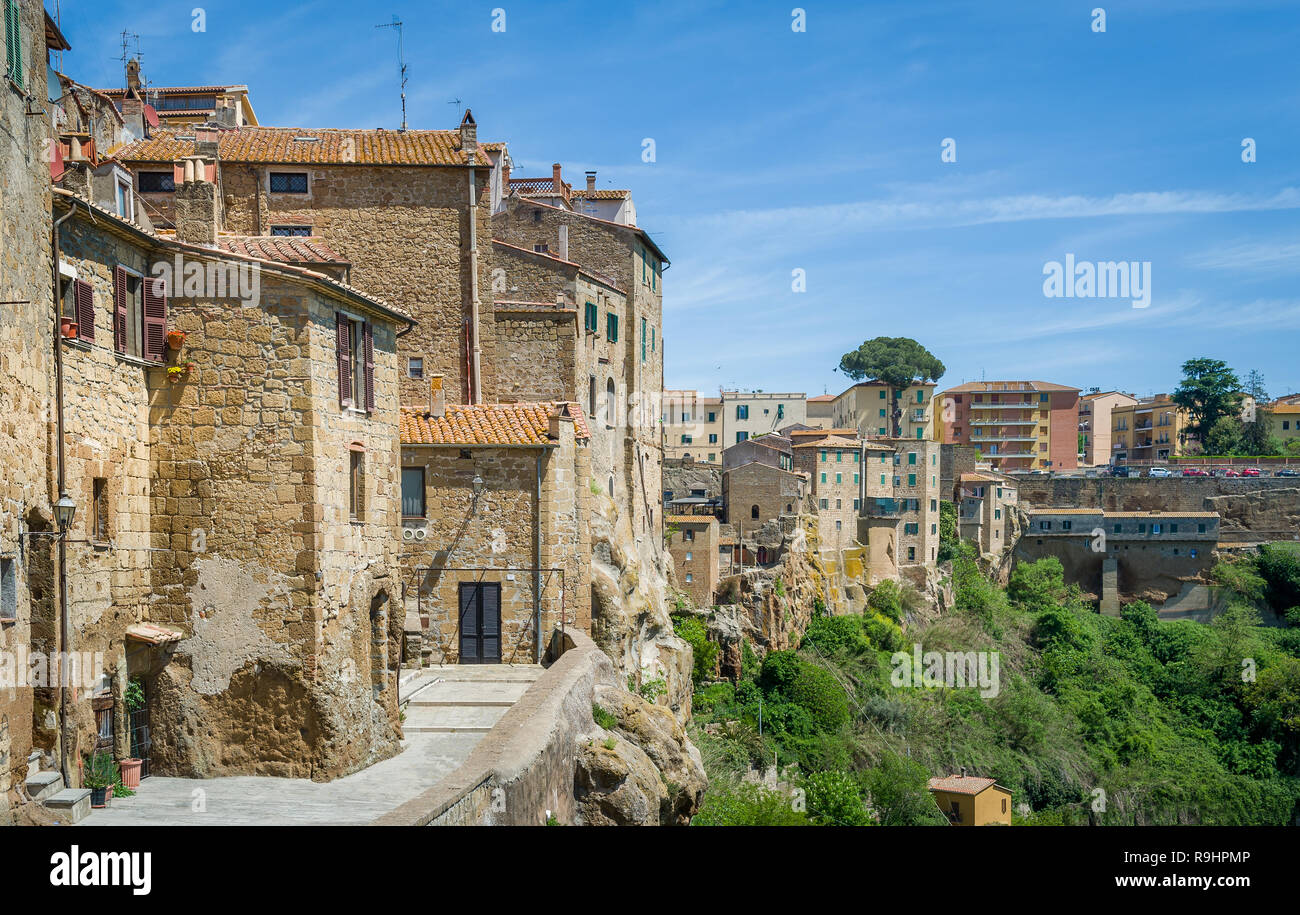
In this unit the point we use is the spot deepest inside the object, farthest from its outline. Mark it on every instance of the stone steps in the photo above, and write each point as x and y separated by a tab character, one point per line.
71	802
41	785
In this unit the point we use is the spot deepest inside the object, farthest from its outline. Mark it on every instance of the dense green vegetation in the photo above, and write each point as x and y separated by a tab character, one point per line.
1126	720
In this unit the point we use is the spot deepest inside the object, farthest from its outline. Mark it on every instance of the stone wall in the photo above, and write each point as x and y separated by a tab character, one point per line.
26	393
1266	507
537	354
756	492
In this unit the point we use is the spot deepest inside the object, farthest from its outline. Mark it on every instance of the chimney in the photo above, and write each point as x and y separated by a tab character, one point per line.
226	114
195	209
557	181
963	771
437	398
469	134
133	117
591	181
505	175
555	422
564	242
206	142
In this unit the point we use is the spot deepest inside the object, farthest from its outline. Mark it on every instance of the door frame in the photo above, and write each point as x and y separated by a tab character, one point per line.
479	588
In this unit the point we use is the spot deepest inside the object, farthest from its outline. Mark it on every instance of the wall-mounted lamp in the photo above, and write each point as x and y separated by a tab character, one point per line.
64	511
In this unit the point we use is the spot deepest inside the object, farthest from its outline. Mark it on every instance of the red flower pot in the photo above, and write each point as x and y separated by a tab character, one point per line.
130	772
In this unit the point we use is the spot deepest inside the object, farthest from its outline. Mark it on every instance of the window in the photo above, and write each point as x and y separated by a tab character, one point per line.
823	503
652	349
688	578
741	437
288	182
713	417
686	440
911	554
291	231
713	438
911	457
8	581
688	534
839	503
77	303
780	411
1200	529
742	411
412	492
611	327
1067	525
99	510
753	512
541	249
1044	525
882	395
357	486
13	42
688	556
643	339
839	478
160	183
591	395
415	367
823	478
839	457
997	514
591	319
611	400
128	318
1173	528
124	198
882	412
354	349
911	479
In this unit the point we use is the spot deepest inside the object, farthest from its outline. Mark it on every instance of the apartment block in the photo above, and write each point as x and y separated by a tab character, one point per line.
899	520
1016	425
834	465
878	411
692	426
748	414
1095	426
1149	430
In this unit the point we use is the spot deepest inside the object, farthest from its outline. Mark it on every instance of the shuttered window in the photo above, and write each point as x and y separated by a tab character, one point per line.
139	315
343	352
355	351
83	297
13	42
611	327
155	320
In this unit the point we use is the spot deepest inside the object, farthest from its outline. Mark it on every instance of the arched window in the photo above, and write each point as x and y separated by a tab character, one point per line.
753	512
609	404
591	397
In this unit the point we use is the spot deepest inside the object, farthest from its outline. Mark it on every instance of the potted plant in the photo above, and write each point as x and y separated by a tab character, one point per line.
135	701
100	778
175	339
175	372
68	327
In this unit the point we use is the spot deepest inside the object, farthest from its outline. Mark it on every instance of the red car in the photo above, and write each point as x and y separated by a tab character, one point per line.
1251	472
1195	472
1232	473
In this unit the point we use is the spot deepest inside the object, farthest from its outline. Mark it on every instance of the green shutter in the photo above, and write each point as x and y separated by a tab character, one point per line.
14	41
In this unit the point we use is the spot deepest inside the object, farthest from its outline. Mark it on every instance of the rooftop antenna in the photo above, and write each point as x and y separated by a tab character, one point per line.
401	60
127	39
456	102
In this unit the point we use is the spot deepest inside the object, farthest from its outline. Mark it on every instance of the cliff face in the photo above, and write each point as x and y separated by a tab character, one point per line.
630	597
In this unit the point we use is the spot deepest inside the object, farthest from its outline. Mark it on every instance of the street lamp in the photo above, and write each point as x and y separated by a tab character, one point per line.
476	488
64	511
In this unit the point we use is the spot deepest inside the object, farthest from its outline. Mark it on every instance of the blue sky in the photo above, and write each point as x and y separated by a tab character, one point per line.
820	151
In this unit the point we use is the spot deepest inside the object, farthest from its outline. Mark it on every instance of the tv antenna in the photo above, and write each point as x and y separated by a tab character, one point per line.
401	60
456	102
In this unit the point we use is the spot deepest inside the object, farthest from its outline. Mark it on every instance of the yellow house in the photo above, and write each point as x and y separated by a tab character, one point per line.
968	800
1150	430
1283	421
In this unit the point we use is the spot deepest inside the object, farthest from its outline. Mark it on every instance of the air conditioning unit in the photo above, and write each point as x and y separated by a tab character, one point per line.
416	534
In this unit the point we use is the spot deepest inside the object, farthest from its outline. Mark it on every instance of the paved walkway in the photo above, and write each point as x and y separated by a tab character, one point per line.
448	710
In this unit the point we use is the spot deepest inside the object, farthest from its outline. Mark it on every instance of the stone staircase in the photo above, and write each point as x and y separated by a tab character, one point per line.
45	787
461	699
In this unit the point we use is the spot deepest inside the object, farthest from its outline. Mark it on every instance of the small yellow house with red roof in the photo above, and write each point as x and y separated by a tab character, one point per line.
970	800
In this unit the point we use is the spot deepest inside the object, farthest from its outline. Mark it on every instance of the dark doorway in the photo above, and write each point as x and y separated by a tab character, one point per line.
480	623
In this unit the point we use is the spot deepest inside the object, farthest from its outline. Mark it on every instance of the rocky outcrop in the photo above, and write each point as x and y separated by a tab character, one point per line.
641	771
630	607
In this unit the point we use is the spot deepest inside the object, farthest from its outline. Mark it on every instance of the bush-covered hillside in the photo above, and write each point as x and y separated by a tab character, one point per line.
1113	721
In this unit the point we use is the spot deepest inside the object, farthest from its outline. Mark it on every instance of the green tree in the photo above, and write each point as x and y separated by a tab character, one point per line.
833	800
897	361
1037	585
900	793
1208	391
947	530
1226	436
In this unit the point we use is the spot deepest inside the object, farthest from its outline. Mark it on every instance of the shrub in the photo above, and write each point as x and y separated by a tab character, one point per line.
834	800
1037	585
747	805
821	695
692	631
837	635
603	717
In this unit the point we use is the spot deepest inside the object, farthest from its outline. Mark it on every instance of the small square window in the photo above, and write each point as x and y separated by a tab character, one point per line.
288	182
415	367
291	231
8	590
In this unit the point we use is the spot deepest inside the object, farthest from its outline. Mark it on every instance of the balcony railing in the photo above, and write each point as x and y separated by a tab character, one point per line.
1004	422
1003	438
1003	406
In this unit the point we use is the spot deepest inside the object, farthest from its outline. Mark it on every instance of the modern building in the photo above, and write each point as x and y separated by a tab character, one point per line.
969	800
1283	421
1016	425
876	410
748	414
1147	431
1094	425
692	426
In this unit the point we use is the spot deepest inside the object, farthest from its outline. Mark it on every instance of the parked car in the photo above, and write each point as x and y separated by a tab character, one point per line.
1159	472
1119	470
1195	472
1232	472
1287	472
1252	472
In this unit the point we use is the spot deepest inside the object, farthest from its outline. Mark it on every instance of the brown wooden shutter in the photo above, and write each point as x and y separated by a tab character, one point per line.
155	320
343	351
119	309
83	297
370	365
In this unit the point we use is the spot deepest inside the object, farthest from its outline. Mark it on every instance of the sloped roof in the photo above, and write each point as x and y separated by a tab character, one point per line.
602	194
488	424
300	249
991	387
304	146
830	441
962	784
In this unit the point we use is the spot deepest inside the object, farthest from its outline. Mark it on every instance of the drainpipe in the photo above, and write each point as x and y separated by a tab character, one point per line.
475	389
537	566
65	636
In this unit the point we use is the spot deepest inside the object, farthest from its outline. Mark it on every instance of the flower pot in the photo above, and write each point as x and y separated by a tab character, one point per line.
131	772
175	339
68	327
100	797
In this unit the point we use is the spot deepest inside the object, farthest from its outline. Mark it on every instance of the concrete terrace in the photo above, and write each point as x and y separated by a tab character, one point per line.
449	709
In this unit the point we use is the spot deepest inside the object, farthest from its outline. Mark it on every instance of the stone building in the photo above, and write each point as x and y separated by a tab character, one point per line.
496	533
754	493
985	511
27	342
749	414
773	449
877	410
232	440
693	541
410	211
834	466
899	522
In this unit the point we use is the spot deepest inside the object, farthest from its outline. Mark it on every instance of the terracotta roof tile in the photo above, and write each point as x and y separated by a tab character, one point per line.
962	784
325	147
603	194
488	424
298	249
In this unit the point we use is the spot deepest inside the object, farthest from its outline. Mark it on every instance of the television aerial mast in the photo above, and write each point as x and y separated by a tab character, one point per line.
401	60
